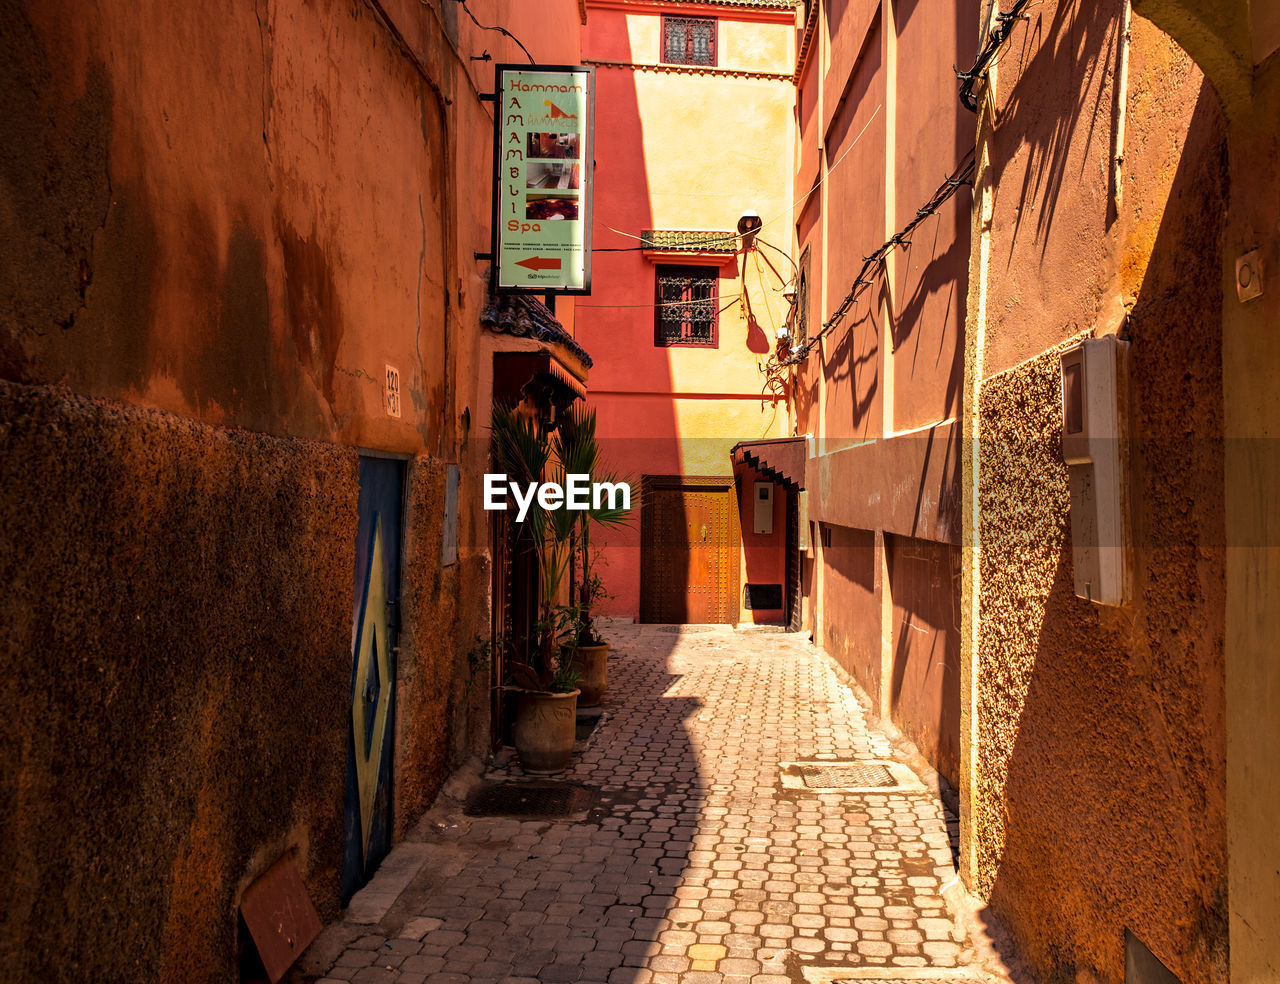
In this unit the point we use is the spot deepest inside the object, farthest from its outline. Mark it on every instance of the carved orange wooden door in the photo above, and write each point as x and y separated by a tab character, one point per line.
689	548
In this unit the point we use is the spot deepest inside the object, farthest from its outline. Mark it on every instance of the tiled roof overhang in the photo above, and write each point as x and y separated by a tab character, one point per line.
527	317
781	459
758	4
689	240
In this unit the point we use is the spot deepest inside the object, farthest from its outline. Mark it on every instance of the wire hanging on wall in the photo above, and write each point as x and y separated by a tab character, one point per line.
501	30
995	41
962	177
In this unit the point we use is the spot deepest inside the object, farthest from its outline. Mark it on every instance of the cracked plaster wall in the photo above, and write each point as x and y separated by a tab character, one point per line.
236	213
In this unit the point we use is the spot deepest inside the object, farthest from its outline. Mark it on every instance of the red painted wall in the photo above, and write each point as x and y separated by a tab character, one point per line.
849	586
764	558
882	389
683	150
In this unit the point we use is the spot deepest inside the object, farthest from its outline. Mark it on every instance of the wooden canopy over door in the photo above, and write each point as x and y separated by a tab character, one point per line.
689	548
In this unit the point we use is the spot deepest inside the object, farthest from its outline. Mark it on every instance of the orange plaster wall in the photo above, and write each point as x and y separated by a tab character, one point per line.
218	224
881	390
682	151
855	193
932	136
255	278
1102	742
850	587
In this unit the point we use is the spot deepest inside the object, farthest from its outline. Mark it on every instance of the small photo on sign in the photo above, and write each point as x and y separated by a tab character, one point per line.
553	174
555	146
550	207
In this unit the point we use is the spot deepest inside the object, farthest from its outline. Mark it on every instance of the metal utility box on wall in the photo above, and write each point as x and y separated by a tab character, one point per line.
763	499
1095	448
805	546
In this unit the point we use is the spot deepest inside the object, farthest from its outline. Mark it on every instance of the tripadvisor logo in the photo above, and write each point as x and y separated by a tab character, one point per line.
577	493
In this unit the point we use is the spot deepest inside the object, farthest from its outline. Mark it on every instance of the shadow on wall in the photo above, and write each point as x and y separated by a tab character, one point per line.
639	434
171	589
1078	44
1102	730
924	691
849	587
852	376
927	328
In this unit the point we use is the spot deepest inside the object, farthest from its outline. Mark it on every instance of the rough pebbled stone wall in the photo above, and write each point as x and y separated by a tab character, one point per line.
177	622
442	705
1101	786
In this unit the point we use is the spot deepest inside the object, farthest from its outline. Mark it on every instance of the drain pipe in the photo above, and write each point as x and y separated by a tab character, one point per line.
1122	101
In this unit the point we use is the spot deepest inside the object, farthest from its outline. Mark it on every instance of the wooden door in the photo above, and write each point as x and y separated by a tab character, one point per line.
370	736
689	552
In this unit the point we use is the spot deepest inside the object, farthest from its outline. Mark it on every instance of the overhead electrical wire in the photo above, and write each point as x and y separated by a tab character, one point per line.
501	30
795	269
962	177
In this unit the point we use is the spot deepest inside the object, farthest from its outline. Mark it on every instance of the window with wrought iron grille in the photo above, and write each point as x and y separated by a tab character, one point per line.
689	40
686	300
800	334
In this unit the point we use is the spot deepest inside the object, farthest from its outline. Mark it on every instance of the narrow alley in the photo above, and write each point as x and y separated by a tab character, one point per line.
721	825
639	491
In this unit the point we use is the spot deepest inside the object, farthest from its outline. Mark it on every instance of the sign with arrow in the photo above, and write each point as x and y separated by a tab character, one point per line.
543	169
540	263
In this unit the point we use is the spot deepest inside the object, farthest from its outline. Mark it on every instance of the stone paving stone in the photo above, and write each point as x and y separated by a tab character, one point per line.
704	869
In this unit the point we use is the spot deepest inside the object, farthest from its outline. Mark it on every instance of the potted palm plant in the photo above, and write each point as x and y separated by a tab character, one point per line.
579	454
546	707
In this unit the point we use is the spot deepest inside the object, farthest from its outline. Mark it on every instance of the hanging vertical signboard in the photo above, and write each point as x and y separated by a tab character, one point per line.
543	150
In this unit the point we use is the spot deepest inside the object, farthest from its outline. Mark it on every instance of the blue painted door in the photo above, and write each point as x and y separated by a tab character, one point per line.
371	722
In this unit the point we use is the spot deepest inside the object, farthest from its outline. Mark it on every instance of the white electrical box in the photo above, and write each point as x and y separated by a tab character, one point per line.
1095	448
763	499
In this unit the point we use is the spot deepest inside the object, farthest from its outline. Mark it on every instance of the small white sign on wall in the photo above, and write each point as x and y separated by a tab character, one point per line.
392	391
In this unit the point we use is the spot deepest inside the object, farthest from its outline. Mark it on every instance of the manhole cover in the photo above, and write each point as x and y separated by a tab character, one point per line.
846	776
528	799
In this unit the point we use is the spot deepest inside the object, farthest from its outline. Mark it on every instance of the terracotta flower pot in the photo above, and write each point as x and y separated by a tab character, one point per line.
545	729
591	662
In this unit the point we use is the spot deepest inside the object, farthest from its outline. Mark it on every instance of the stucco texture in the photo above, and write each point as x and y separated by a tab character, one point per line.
1099	796
174	715
442	704
1101	788
234	213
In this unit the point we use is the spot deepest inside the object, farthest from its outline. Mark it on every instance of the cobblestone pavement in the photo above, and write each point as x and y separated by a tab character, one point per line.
704	858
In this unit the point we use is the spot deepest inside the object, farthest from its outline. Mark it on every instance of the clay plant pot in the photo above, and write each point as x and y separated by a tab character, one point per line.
545	729
591	662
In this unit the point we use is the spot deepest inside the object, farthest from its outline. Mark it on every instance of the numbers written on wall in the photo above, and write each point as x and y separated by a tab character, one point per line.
392	391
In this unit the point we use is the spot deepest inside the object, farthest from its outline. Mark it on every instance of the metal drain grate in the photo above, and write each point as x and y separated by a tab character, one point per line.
893	975
901	980
528	799
846	776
